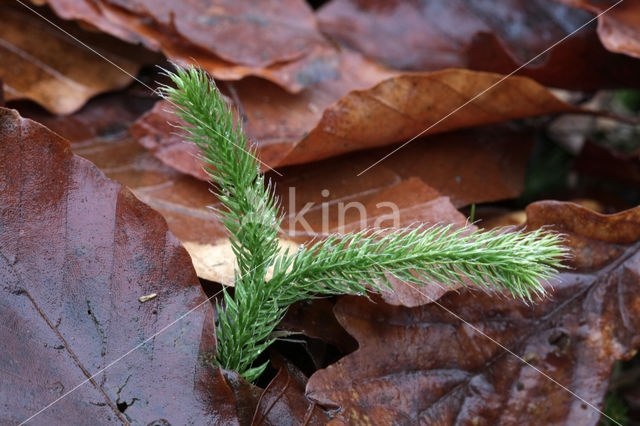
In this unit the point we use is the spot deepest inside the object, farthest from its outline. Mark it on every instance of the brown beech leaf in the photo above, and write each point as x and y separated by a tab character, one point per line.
47	66
618	27
292	129
283	402
77	251
432	35
424	365
274	39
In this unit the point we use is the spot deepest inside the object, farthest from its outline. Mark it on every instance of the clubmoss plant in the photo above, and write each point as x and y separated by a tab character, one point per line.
356	263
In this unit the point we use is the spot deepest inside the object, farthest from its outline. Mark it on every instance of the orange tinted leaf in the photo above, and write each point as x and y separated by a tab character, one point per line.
292	129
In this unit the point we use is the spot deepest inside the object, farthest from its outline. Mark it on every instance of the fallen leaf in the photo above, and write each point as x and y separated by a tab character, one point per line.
597	160
240	32
617	24
76	252
569	65
403	107
276	40
431	35
48	67
283	402
423	365
596	239
292	129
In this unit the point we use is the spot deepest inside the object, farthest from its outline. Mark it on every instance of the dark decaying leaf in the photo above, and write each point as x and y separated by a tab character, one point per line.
283	402
432	35
600	161
77	251
618	25
313	125
47	66
425	365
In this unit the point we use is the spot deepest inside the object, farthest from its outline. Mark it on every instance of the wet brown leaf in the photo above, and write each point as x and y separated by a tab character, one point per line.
569	65
292	129
76	252
432	35
283	402
425	365
46	66
274	39
619	27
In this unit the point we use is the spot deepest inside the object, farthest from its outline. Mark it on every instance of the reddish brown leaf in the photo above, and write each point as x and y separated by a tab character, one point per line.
77	251
283	402
619	27
277	40
579	63
425	365
240	32
432	35
48	67
290	129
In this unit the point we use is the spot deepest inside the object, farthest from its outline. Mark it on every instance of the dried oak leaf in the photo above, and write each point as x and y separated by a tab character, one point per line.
432	35
274	39
283	402
618	26
424	365
77	251
292	129
47	66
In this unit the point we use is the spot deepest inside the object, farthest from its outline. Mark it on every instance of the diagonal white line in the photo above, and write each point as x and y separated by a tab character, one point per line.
503	347
487	89
136	79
